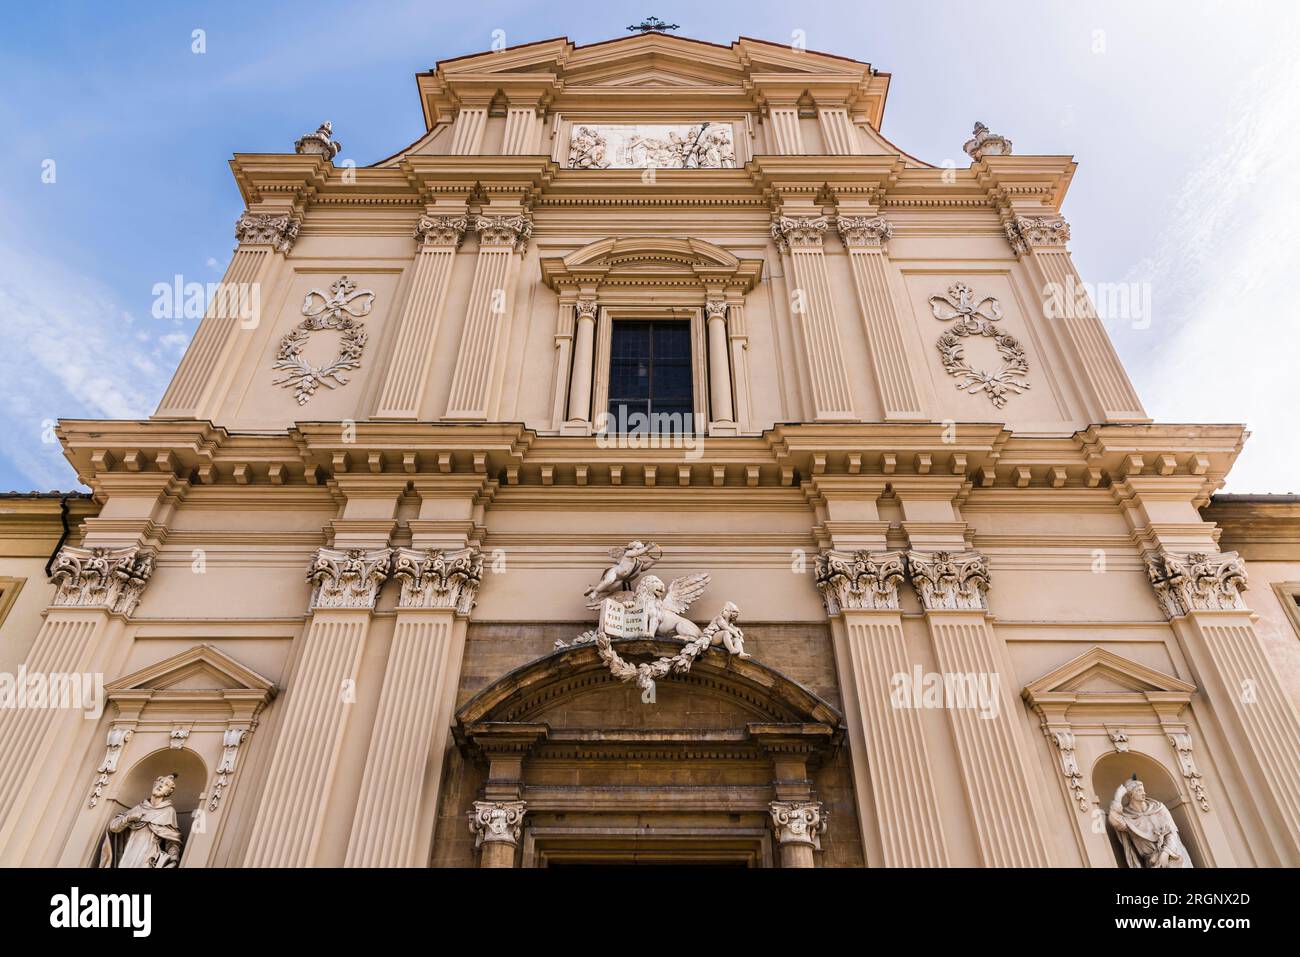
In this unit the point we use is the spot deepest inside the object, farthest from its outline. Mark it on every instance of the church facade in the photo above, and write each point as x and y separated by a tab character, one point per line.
650	463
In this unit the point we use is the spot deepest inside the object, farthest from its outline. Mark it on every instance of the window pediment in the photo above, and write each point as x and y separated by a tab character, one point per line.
652	260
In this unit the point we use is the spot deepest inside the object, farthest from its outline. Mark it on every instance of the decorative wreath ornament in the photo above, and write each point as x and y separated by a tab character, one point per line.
976	319
338	311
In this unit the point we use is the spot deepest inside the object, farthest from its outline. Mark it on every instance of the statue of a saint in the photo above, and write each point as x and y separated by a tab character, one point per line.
146	835
1145	829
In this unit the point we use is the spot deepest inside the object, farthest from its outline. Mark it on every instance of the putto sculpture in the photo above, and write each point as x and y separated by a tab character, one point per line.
633	605
1145	828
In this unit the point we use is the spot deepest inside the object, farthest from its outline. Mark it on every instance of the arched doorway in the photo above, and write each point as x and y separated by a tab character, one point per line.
605	778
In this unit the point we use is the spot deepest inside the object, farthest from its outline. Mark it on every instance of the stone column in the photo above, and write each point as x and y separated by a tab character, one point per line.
404	762
438	237
496	826
723	414
1200	594
475	385
952	587
861	589
584	354
322	689
1040	242
865	238
813	307
798	826
264	241
97	589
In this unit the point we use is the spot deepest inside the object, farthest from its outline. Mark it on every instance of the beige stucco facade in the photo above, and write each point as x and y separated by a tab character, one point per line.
908	458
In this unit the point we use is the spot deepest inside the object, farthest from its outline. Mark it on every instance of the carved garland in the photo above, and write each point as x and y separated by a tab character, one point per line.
338	311
976	319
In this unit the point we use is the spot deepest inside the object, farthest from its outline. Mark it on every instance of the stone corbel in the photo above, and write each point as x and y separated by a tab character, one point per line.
109	578
949	581
437	578
348	578
863	580
1197	582
1063	739
231	741
117	738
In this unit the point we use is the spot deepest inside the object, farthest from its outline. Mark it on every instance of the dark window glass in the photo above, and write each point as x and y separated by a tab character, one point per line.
650	375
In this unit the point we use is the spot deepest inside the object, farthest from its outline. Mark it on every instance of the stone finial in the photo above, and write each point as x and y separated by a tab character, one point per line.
321	142
863	580
98	577
983	143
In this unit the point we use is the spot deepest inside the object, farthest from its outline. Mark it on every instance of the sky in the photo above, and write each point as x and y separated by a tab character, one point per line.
120	120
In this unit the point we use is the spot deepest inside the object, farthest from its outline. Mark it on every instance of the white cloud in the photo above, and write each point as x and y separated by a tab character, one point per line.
1221	348
70	351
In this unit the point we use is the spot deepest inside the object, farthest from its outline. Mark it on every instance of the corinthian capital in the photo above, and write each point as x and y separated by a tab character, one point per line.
799	232
348	578
108	578
1197	582
435	578
862	580
504	231
264	229
799	822
497	822
949	580
441	230
864	231
1026	231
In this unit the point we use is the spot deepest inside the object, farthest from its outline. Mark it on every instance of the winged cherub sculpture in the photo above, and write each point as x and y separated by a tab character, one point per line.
631	560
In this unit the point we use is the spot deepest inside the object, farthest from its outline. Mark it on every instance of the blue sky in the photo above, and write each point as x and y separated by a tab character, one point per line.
1181	115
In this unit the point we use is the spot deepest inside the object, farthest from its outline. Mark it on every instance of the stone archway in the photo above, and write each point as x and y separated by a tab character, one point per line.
563	764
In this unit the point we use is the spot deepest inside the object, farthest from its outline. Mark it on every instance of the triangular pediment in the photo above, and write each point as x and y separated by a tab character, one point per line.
201	668
1099	673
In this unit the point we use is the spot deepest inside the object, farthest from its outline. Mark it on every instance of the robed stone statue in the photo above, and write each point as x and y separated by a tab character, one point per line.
146	835
1145	829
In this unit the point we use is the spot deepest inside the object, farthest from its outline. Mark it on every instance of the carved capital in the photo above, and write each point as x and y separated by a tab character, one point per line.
435	578
983	143
441	230
799	822
799	232
862	580
1026	231
348	578
949	580
320	142
864	231
1197	582
510	231
715	309
264	229
586	309
497	822
109	578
